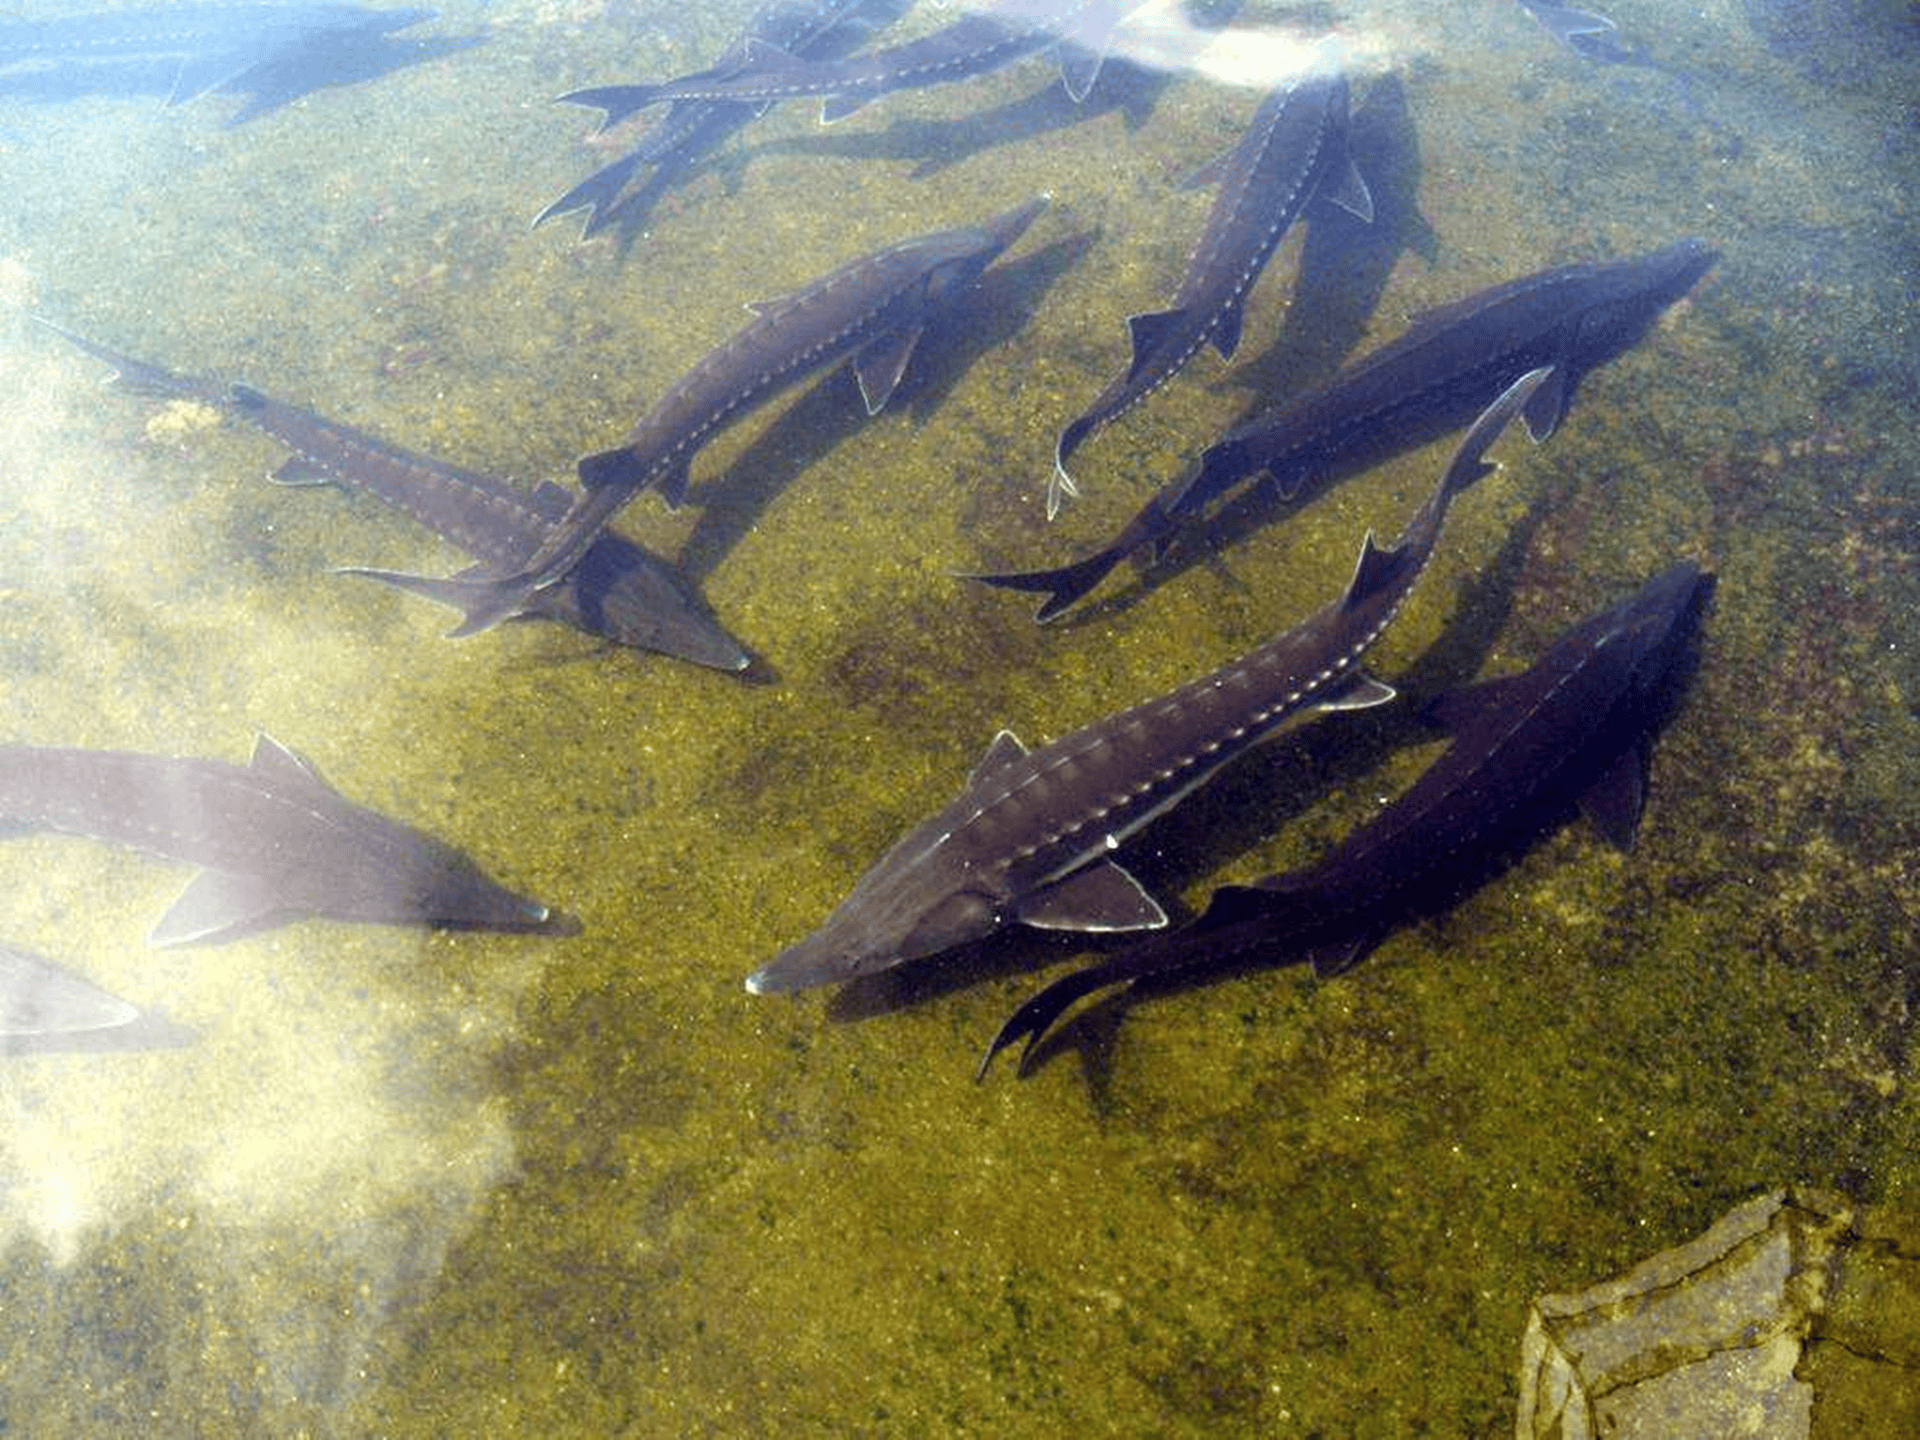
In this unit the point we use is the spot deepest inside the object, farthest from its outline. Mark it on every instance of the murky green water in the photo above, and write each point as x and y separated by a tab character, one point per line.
493	1185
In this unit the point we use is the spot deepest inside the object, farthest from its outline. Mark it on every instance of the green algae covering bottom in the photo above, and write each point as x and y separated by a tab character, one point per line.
461	1184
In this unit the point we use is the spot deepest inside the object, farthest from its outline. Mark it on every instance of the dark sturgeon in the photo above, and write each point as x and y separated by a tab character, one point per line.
1574	727
873	309
1449	363
274	841
213	45
977	44
1031	837
618	591
690	128
1294	148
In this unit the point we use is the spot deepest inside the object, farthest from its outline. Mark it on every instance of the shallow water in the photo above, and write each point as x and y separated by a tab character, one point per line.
473	1184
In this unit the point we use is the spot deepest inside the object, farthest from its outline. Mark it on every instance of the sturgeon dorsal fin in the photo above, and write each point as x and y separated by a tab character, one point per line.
216	905
880	364
275	763
1100	897
1004	749
1375	570
1149	329
273	759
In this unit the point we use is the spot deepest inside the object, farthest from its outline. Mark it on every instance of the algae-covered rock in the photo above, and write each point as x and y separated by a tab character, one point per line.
1791	1316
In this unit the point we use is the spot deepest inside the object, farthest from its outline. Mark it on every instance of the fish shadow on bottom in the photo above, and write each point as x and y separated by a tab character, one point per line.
1588	780
1345	264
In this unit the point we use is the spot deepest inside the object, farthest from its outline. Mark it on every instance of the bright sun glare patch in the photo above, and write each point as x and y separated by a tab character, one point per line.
1160	37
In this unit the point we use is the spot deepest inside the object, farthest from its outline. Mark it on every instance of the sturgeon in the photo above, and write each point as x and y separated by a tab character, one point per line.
273	839
619	590
202	46
690	128
976	44
1031	837
1449	362
1575	726
873	309
1294	148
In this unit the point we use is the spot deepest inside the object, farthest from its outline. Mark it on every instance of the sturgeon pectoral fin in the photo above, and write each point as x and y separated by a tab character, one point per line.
1203	176
838	107
299	472
1149	330
1564	23
1546	404
1100	897
1349	191
294	774
216	906
1080	70
1612	803
1060	484
880	364
1362	693
200	73
607	469
1342	955
595	194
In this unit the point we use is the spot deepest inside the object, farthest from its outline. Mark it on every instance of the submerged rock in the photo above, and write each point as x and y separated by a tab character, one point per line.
1793	1315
